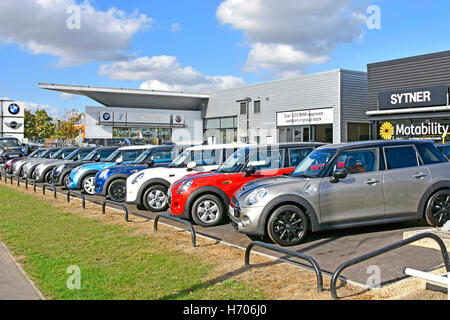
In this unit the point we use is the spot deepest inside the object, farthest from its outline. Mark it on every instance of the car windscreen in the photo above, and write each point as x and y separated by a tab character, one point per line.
113	157
236	162
182	160
313	165
141	159
208	157
9	143
73	155
34	154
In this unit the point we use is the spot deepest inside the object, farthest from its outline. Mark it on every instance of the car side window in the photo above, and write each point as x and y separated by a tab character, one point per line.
83	154
105	154
266	159
401	157
131	155
162	156
357	161
429	154
298	155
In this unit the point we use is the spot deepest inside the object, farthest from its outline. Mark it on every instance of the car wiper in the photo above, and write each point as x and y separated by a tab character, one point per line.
304	176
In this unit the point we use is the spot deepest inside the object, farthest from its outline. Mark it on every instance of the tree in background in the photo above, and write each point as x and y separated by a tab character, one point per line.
38	125
69	127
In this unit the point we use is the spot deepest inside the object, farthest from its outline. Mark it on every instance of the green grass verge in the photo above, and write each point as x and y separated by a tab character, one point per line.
114	264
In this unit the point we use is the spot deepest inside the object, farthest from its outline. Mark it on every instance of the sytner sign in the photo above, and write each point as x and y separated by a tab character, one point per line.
413	98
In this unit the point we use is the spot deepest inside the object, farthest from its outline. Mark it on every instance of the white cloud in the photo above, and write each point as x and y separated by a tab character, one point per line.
175	27
51	111
287	35
40	26
67	96
166	73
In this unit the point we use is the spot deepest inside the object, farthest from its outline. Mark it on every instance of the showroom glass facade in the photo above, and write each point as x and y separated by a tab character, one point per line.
221	130
150	135
317	133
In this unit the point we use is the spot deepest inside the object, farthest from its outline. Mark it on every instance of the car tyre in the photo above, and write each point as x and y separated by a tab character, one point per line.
155	199
288	226
88	184
117	190
48	177
66	180
437	212
208	211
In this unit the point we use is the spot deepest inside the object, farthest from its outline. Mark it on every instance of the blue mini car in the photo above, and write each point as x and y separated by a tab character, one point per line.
83	177
111	182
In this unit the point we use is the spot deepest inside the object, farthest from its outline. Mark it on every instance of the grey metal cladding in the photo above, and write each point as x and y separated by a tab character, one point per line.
407	73
353	99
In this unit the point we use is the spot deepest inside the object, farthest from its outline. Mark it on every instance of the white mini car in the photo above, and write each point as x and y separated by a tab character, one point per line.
149	187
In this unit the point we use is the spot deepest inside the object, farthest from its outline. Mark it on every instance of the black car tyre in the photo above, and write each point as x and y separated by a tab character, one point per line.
88	184
48	177
155	198
208	211
66	180
288	226
437	212
117	190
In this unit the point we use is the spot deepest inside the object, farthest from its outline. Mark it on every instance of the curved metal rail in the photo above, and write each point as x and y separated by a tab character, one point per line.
44	187
71	193
191	227
391	247
125	209
313	262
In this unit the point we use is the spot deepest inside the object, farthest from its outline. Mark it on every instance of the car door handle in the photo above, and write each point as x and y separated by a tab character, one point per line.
419	175
372	182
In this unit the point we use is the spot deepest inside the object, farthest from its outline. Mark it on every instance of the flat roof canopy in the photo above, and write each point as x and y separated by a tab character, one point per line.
135	98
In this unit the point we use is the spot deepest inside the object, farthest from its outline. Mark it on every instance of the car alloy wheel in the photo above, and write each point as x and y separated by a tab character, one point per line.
288	226
33	175
89	184
438	209
208	211
155	198
117	190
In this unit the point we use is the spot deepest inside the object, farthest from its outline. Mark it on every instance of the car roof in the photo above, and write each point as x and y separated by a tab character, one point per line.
374	143
138	147
219	146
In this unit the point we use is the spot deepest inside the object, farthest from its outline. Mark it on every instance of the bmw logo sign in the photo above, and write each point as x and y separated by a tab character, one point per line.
106	116
14	109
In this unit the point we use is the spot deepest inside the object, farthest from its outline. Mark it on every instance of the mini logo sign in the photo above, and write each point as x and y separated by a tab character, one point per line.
106	116
178	119
14	109
14	125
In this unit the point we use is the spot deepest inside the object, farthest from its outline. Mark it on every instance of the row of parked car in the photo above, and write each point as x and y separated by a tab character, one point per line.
282	191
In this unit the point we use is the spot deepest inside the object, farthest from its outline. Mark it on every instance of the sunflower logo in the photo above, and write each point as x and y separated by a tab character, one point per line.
387	131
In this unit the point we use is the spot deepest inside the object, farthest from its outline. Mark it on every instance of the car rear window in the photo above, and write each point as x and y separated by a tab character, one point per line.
298	155
429	154
401	157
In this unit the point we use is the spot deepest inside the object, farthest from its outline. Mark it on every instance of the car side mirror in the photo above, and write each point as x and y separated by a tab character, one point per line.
98	159
339	175
150	163
249	171
191	165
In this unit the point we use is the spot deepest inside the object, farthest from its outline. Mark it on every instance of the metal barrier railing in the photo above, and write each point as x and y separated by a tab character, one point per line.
44	187
30	180
71	193
313	262
391	247
191	227
123	206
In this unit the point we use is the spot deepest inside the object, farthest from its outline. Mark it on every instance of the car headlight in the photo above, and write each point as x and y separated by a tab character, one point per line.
103	174
185	186
138	178
256	196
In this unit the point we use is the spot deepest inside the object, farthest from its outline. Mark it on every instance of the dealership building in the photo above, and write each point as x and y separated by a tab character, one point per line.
409	98
398	99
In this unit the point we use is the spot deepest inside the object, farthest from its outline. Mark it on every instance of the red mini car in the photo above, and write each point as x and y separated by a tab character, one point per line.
205	197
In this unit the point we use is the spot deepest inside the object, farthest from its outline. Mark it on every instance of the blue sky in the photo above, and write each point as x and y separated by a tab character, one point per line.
215	44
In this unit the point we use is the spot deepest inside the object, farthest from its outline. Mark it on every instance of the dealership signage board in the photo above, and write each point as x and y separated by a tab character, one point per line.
413	98
12	119
426	130
109	117
305	117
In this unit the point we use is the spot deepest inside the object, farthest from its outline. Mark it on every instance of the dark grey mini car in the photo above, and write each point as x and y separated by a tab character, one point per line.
347	185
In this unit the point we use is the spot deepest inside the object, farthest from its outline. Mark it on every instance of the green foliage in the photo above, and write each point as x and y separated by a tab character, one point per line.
67	128
38	125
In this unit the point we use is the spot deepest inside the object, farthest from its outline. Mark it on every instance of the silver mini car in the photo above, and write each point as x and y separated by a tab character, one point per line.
347	185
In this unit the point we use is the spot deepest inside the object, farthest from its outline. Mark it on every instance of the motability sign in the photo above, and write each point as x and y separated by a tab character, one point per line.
387	130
